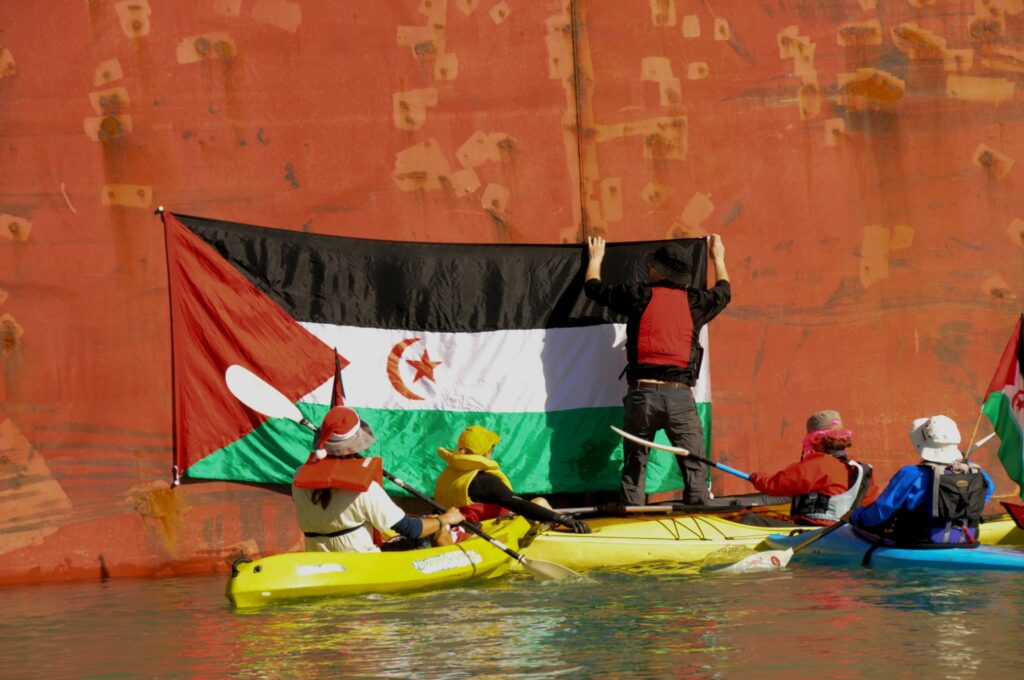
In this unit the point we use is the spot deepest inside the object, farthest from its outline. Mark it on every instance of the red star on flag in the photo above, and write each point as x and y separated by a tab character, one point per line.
424	366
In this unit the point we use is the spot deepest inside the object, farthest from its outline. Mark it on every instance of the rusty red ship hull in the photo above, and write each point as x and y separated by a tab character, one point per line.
857	158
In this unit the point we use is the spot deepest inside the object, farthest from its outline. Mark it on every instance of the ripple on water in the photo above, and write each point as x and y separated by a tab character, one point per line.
655	623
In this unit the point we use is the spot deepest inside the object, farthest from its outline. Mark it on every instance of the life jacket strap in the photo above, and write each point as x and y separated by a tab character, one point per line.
339	532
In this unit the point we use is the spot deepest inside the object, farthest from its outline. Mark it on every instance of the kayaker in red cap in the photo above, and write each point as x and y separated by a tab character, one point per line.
825	481
338	495
937	502
474	483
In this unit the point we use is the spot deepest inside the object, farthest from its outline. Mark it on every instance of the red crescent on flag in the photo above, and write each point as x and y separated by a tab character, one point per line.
396	380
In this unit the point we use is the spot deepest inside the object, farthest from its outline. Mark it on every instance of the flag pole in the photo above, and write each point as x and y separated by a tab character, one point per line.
974	434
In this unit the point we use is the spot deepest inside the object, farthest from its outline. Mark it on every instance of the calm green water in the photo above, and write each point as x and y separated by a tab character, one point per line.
797	623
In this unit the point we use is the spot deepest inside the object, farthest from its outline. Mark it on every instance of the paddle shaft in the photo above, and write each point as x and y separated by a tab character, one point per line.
682	452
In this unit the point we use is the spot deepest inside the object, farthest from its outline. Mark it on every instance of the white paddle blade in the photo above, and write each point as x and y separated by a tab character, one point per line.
978	444
548	571
651	445
260	396
761	561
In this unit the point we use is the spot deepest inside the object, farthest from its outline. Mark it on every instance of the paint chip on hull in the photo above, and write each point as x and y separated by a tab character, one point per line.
611	199
663	13
32	503
464	182
998	290
874	255
698	209
958	61
655	69
6	63
14	228
722	30
446	66
869	89
227	8
127	195
691	26
655	194
664	138
279	13
109	102
835	130
133	15
918	43
994	162
410	108
499	13
978	89
495	198
1015	232
419	167
697	70
107	72
483	147
10	336
108	128
859	33
466	6
1002	59
206	46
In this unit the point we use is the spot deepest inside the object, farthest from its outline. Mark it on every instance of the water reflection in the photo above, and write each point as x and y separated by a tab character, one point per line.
652	623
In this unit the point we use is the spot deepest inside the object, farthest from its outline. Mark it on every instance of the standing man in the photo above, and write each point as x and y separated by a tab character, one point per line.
664	318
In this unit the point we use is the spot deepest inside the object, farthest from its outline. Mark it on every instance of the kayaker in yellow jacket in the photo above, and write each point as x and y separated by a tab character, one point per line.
474	483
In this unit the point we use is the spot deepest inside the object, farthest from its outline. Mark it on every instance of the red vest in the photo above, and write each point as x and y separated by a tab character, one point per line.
665	335
352	474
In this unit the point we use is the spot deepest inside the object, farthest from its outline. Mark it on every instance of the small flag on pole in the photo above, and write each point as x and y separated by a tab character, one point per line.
1004	405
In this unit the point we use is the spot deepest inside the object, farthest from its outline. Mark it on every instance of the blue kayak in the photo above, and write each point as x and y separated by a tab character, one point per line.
848	547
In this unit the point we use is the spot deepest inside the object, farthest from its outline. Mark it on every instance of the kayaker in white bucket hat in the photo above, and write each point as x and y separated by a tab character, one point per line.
936	502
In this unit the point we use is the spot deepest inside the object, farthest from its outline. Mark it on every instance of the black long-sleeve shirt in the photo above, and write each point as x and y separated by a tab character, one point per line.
631	300
486	488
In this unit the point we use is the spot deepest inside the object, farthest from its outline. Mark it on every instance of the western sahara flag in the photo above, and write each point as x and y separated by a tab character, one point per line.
431	337
1005	405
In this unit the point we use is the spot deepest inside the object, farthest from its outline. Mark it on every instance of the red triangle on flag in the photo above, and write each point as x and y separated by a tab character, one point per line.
219	318
1010	362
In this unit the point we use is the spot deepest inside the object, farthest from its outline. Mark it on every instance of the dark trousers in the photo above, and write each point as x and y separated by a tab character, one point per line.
651	407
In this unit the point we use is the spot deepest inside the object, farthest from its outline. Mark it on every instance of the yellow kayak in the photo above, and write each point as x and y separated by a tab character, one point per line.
291	576
682	539
1001	532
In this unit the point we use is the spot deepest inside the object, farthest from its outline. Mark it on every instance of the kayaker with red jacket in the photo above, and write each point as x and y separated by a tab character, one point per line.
338	496
664	317
474	483
824	482
938	502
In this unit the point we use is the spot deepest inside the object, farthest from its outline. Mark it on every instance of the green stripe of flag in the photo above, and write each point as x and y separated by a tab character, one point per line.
570	451
1011	443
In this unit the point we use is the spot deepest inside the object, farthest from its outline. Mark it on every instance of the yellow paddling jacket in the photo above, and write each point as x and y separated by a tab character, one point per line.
452	488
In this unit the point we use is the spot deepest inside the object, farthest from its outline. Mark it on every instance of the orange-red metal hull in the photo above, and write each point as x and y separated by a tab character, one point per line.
858	159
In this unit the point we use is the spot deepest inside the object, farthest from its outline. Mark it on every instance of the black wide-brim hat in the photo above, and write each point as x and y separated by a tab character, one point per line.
671	262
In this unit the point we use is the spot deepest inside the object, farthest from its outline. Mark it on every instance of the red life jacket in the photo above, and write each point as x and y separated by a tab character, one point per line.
665	334
352	474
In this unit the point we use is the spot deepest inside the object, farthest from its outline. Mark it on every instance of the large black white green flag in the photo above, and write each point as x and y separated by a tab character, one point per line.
432	337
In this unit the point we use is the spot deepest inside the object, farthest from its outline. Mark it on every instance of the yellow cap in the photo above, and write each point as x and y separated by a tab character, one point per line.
477	439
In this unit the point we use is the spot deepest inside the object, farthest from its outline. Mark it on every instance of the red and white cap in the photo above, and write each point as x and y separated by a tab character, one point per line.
343	433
